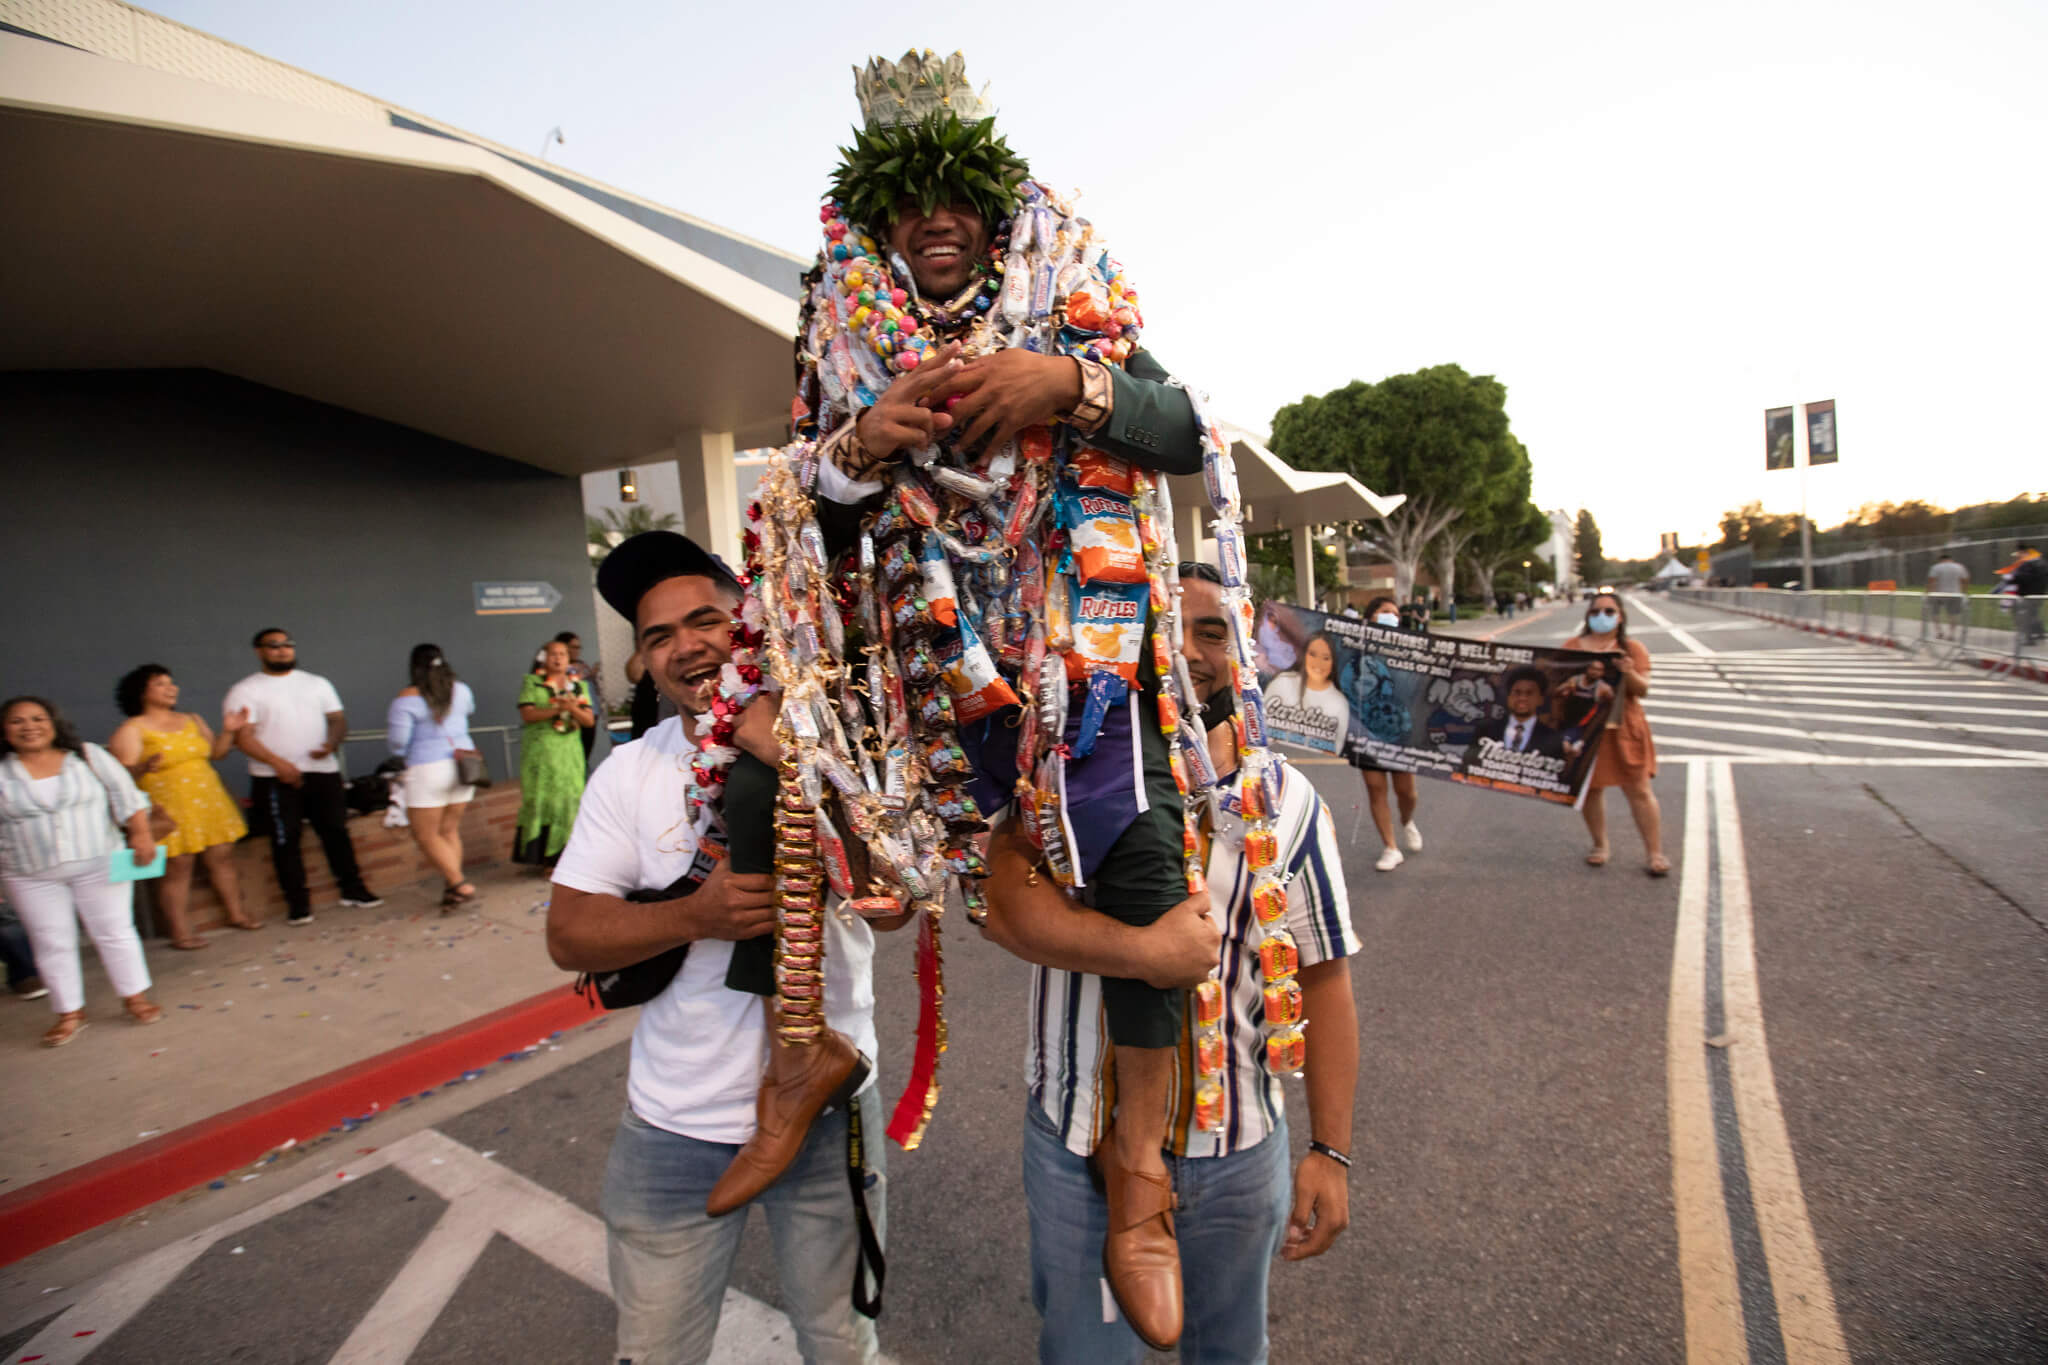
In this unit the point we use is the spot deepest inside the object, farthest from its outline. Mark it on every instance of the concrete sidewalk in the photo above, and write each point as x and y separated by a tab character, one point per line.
257	1013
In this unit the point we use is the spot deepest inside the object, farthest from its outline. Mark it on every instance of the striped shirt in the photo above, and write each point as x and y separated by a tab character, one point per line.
1069	1041
94	796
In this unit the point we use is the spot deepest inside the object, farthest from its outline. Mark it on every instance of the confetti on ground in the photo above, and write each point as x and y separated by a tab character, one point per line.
149	1132
236	1252
188	1007
217	1185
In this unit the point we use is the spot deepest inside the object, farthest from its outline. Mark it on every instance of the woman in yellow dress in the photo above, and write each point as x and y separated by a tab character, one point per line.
171	754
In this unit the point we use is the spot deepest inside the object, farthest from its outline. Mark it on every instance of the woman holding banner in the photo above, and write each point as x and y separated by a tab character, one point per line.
1628	757
1386	613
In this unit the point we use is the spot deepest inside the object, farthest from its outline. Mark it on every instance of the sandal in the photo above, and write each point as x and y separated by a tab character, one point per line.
141	1009
188	945
1659	866
248	924
65	1029
1597	858
455	895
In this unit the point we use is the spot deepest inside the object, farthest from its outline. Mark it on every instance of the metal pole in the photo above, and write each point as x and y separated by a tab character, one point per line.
1805	523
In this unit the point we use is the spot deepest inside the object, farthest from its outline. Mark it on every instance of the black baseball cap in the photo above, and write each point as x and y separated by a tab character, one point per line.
652	557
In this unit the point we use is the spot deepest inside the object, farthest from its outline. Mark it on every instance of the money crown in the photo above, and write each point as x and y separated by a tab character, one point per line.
916	87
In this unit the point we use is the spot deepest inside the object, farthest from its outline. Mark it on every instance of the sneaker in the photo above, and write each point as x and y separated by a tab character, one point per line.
1412	837
365	900
300	919
1390	858
30	988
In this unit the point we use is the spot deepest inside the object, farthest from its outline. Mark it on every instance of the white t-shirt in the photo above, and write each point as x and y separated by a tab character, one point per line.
699	1048
1947	576
288	713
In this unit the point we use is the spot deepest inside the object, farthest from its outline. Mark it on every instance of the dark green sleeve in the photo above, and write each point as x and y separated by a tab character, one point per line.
1151	423
750	789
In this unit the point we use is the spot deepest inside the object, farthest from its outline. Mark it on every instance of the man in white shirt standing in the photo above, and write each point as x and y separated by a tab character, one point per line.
296	726
694	1085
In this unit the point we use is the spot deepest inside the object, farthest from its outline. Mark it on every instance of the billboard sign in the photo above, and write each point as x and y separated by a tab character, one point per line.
1820	433
1779	451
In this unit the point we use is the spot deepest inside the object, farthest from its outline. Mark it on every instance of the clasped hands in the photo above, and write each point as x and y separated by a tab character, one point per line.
988	400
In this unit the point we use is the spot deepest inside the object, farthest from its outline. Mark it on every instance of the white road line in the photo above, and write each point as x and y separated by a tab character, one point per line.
1679	636
484	1198
1831	691
1782	758
1657	706
1716	746
1847	737
1799	1280
1921	707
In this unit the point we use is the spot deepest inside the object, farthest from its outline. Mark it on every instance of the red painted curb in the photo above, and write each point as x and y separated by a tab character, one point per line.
47	1212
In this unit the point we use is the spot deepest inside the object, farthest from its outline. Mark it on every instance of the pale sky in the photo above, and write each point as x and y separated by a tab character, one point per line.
1650	223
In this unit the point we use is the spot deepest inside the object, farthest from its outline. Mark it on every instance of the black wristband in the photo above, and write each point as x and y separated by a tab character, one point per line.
1331	1152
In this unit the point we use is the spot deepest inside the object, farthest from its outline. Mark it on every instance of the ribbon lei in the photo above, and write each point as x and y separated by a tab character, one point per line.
921	1094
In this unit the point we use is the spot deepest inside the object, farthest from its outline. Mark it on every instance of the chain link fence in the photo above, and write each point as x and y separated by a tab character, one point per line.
1996	625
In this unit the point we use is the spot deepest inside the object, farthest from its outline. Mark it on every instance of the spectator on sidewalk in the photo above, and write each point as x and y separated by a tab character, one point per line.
1947	583
1248	1209
424	725
553	707
19	957
1386	613
2030	581
65	807
295	727
171	754
588	676
1628	756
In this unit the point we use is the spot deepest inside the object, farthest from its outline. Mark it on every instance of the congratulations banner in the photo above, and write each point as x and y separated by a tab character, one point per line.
1513	718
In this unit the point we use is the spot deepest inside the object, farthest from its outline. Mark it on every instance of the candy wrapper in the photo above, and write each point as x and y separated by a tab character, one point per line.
1102	536
1109	629
978	690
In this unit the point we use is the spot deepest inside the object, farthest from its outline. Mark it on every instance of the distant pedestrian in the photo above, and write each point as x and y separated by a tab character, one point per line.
553	706
588	675
1386	613
65	807
295	728
171	754
425	725
1627	756
19	957
1947	582
2030	581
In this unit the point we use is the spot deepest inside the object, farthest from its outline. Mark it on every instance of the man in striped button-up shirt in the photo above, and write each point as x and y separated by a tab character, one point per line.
1237	1204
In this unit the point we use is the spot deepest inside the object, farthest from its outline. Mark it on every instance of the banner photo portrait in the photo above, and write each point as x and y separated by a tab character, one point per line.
1511	718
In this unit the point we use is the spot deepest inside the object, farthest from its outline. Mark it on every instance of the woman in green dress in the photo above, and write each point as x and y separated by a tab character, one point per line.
555	706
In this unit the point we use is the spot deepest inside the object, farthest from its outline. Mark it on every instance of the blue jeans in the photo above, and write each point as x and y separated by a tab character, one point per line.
670	1260
1233	1213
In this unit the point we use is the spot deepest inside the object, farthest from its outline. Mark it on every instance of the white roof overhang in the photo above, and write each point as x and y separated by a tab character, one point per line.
1277	497
154	221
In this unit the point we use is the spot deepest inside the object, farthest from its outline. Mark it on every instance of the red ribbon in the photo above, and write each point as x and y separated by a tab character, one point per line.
914	1107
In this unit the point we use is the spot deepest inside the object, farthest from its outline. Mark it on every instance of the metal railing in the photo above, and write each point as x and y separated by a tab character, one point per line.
508	740
1946	624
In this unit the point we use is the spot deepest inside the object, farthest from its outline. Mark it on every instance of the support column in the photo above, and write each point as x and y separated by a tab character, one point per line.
1190	529
711	495
1305	565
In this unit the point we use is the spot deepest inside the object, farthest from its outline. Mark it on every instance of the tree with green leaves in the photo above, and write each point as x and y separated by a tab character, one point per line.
1586	549
1437	436
1510	538
605	533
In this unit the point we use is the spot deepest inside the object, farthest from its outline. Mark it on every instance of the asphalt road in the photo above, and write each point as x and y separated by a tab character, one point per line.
1551	1166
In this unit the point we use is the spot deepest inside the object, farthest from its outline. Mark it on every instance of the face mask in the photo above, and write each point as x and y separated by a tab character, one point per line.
1600	622
1387	619
1219	708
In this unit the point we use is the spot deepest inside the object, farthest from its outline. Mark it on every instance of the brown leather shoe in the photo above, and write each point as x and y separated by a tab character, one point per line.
800	1083
1140	1257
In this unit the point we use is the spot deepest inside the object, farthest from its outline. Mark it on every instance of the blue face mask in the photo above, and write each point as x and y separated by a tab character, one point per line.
1600	622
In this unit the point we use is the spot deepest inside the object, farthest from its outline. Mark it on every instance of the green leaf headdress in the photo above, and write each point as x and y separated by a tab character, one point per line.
929	138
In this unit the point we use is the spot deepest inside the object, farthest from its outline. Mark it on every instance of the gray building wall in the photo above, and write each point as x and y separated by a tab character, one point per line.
166	515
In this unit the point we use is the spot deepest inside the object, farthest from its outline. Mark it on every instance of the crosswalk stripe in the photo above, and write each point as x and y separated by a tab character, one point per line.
1944	708
1655	707
1845	737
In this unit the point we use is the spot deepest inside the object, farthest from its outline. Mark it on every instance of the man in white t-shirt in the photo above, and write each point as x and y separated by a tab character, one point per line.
694	1083
1947	582
296	726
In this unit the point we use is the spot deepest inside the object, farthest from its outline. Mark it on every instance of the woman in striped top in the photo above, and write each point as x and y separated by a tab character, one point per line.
65	807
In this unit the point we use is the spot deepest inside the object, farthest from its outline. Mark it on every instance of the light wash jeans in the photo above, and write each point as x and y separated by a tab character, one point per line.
1233	1213
670	1260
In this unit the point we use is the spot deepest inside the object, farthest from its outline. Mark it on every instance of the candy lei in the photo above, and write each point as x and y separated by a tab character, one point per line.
964	601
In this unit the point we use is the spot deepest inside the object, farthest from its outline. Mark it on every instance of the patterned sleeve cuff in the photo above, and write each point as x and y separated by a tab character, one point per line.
833	481
1098	396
